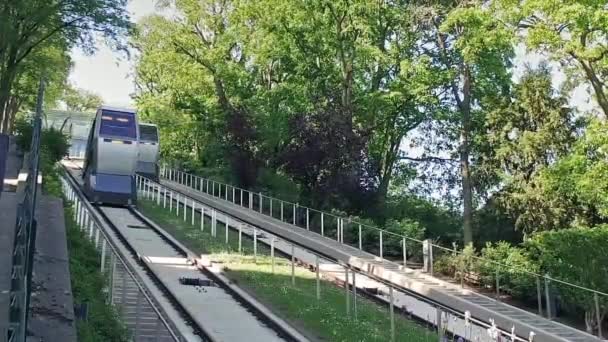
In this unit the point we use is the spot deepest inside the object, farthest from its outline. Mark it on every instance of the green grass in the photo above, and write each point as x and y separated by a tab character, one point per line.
324	319
103	322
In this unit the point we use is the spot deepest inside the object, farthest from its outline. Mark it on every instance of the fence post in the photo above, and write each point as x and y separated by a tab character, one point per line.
281	210
294	214
392	312
426	255
202	218
233	196
272	254
404	253
255	245
226	193
338	229
226	225
271	212
103	255
177	205
318	277
250	200
307	219
360	239
213	223
261	203
322	224
293	265
185	207
193	211
241	191
548	297
598	315
346	294
240	236
539	296
354	292
381	247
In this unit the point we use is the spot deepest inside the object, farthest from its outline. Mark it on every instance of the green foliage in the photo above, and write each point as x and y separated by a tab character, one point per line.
576	256
88	287
512	265
80	100
405	227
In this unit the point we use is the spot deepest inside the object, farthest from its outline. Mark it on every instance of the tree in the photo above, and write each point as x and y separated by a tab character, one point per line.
471	53
25	26
80	100
530	132
572	33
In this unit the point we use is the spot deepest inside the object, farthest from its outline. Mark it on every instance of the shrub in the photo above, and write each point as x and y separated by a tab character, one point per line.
406	227
512	265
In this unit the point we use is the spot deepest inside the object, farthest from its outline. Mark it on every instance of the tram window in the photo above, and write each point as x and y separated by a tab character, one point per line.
117	124
148	133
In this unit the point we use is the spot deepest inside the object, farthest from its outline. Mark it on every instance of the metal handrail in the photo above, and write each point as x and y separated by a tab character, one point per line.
179	179
25	237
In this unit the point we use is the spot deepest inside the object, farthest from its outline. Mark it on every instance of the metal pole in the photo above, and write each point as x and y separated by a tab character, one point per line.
294	214
96	237
539	296
255	245
293	265
307	219
272	254
271	212
177	205
202	218
103	255
497	284
170	201
318	277
213	222
404	253
346	294
548	298
381	246
233	196
392	311
193	211
322	224
250	200
185	207
360	240
354	293
226	194
598	315
261	204
240	236
241	190
338	229
226	225
281	211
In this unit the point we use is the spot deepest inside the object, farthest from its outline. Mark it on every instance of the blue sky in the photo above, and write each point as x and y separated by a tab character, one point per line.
111	76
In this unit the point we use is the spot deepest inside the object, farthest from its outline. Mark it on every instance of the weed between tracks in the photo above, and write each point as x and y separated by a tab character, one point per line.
323	320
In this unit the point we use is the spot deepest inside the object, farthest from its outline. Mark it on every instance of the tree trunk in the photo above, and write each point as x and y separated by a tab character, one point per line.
465	172
597	85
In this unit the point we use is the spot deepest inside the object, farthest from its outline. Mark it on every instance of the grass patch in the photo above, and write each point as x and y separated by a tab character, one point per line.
326	319
103	322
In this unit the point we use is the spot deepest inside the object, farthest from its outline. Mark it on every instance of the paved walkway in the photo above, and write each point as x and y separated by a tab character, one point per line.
52	306
480	306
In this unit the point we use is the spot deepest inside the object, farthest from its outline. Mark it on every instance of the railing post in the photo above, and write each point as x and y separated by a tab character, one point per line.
103	255
177	205
346	294
338	229
539	296
250	200
281	211
226	193
227	227
322	224
271	212
354	292
193	211
240	236
317	277
170	201
261	203
360	238
255	246
185	207
272	254
404	253
392	312
233	196
548	297
381	246
293	265
307	219
426	246
202	218
598	315
294	214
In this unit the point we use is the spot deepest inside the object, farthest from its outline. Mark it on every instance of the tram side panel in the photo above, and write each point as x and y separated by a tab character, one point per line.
149	149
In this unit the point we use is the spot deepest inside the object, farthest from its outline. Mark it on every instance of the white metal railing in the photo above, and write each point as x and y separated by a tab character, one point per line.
374	240
207	219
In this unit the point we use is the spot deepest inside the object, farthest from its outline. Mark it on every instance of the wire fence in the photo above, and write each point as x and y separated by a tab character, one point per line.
271	252
124	289
410	252
25	237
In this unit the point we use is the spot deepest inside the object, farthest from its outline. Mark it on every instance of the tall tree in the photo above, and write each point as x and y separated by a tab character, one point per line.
26	25
570	32
472	52
530	132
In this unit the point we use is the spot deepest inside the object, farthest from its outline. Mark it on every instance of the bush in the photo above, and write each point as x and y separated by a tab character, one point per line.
406	227
514	278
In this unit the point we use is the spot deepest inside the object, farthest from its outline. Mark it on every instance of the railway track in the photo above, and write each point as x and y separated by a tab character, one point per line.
195	304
